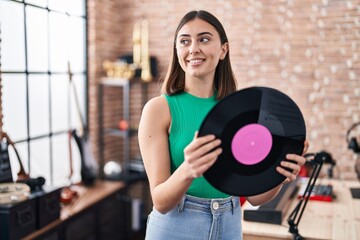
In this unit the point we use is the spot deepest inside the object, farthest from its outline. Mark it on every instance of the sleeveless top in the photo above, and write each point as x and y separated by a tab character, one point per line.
187	113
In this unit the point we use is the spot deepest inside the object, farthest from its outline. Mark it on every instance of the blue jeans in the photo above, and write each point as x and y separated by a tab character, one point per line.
197	219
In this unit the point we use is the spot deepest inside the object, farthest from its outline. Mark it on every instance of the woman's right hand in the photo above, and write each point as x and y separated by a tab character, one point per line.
201	154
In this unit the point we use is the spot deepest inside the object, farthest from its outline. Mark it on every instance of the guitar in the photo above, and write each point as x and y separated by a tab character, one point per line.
88	170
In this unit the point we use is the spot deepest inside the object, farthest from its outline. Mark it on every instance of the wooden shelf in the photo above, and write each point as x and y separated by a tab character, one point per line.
87	197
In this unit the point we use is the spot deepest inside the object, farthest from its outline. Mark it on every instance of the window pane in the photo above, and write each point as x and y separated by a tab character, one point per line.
40	159
76	7
53	39
59	5
76	44
59	53
13	37
79	86
61	162
14	106
39	105
60	102
41	3
14	161
37	35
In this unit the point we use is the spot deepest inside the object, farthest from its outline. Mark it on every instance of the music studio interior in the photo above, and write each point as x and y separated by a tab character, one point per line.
76	74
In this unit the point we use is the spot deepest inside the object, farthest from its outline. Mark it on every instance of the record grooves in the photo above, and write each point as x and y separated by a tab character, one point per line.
258	126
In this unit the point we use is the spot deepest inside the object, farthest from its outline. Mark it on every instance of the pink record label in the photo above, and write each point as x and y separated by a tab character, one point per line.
251	144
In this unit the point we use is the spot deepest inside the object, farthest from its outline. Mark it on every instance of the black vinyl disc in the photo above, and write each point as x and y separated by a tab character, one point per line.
258	126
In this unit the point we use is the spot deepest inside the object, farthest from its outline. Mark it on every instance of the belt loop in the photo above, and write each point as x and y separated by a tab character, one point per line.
232	205
181	204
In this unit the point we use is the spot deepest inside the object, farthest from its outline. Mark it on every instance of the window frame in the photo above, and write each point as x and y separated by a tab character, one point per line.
27	73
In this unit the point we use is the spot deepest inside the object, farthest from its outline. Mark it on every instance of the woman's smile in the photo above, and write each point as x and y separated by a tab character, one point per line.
196	61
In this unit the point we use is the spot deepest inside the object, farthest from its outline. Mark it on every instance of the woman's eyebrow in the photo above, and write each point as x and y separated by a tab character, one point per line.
204	33
199	34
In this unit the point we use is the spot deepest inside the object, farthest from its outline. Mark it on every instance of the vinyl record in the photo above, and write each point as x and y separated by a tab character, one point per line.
258	126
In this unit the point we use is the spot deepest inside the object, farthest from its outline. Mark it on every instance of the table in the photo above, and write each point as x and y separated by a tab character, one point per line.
338	220
85	203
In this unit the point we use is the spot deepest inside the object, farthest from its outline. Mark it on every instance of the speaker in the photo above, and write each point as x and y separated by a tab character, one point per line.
352	142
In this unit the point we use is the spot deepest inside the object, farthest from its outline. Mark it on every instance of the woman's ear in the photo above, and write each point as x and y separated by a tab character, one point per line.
224	49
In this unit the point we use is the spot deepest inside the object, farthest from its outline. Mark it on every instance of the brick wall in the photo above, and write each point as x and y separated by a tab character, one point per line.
307	49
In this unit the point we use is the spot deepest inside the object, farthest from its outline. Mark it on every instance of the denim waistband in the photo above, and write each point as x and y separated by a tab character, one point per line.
207	204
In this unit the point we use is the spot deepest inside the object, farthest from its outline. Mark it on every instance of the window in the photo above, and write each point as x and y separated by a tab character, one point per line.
39	38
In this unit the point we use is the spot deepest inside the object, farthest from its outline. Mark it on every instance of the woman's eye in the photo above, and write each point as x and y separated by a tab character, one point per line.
184	41
204	39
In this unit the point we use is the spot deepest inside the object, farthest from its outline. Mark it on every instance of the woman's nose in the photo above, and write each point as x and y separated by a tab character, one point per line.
194	48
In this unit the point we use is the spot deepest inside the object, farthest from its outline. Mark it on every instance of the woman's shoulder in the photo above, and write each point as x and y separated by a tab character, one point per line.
156	111
156	103
157	106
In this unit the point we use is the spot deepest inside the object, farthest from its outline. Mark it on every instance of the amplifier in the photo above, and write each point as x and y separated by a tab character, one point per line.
18	219
22	218
47	206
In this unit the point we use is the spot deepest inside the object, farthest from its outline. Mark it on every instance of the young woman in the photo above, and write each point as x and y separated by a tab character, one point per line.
186	206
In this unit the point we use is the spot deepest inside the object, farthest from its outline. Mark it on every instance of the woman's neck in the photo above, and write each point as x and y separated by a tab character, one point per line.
200	87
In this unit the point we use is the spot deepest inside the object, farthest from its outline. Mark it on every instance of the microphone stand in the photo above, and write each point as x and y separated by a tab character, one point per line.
295	216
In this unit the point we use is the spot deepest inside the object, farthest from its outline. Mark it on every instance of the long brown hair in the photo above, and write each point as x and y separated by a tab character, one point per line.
224	82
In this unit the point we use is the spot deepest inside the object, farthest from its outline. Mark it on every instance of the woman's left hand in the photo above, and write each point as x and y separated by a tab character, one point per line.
290	169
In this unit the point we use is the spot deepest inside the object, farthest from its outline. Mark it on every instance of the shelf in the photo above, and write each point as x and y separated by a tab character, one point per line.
126	135
132	171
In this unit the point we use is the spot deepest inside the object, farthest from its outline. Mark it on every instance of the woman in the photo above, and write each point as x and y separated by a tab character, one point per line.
186	206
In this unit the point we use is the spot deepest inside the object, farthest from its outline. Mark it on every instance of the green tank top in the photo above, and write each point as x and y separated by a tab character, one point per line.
187	113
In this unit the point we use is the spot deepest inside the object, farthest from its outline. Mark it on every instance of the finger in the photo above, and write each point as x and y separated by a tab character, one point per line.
196	134
206	148
199	161
198	168
204	163
199	141
196	150
300	160
293	167
289	175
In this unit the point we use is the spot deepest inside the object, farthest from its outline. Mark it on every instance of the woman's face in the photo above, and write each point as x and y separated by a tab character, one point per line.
199	49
